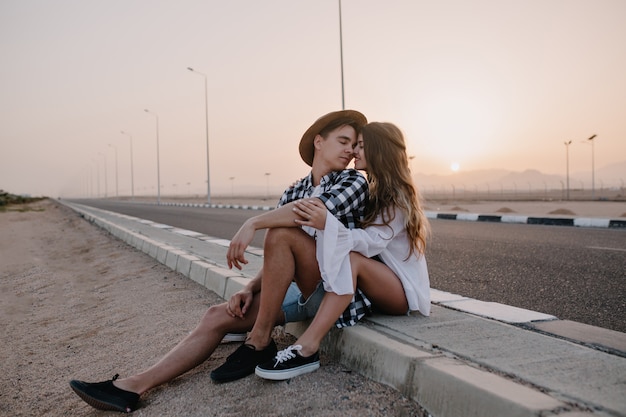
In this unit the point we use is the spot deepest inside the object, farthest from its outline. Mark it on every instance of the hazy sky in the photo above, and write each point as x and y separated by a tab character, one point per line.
481	83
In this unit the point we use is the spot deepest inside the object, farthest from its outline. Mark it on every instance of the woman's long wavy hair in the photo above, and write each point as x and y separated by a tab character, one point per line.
390	183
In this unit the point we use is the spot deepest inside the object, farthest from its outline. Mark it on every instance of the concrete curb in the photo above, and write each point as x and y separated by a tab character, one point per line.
547	221
444	386
441	382
226	206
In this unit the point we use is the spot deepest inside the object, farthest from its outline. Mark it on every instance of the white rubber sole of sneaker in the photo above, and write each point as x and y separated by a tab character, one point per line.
287	373
234	337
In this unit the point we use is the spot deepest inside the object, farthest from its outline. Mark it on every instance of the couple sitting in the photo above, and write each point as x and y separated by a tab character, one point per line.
330	254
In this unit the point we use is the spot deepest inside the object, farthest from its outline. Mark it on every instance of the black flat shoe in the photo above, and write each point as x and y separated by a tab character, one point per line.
242	362
105	395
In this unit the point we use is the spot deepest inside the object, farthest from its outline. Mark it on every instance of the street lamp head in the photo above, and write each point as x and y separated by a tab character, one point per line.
190	69
591	138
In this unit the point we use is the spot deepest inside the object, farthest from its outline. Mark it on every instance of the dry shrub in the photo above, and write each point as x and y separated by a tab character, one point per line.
505	210
563	211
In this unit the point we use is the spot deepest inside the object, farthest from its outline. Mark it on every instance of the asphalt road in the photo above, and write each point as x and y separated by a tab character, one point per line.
576	274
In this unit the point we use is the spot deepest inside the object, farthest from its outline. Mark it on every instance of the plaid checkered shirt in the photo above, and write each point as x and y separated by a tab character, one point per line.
344	193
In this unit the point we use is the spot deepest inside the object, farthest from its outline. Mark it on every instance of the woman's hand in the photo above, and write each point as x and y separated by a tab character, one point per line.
312	211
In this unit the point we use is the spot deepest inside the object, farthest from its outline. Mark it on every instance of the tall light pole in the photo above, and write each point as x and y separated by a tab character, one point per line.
156	116
97	178
206	124
343	102
106	186
567	165
132	171
267	177
89	181
117	193
593	169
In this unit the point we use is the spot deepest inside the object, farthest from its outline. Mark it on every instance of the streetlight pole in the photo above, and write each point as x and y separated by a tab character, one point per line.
206	123
593	169
117	194
343	103
90	180
97	177
567	165
106	185
132	171
267	176
156	116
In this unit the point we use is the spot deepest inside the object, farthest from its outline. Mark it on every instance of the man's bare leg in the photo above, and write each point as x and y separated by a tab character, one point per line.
288	253
193	350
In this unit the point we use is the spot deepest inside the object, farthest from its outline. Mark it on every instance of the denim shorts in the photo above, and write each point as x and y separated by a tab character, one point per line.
296	308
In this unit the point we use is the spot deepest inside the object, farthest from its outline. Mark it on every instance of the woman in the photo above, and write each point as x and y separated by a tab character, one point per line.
385	257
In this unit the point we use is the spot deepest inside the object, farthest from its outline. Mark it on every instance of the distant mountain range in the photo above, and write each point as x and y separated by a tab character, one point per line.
610	176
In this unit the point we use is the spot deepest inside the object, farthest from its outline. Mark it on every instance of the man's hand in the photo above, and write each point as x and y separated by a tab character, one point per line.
312	211
238	245
239	303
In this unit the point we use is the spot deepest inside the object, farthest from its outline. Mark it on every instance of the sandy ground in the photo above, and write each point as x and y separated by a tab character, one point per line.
77	303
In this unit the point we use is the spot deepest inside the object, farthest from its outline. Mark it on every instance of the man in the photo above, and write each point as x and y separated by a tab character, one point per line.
289	252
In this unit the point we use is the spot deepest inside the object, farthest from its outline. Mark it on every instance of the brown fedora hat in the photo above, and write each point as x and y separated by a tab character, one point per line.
347	116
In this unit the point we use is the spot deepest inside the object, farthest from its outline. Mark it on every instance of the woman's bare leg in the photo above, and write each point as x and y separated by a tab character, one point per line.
380	284
376	280
331	307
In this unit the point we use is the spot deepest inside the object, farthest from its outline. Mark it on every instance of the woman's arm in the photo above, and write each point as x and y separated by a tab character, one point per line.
369	241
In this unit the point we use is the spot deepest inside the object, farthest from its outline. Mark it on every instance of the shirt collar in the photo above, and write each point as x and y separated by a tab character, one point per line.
328	178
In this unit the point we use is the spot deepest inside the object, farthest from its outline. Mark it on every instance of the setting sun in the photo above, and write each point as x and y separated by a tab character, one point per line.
455	166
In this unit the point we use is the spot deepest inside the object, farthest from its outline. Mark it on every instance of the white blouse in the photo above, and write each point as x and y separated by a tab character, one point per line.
391	243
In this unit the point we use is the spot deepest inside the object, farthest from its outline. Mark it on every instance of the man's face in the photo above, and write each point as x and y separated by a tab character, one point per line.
336	151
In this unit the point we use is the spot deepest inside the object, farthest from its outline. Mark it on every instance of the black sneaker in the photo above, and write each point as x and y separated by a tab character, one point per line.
105	395
288	363
242	362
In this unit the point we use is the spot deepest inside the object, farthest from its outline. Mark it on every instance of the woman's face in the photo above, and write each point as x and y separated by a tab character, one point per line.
359	155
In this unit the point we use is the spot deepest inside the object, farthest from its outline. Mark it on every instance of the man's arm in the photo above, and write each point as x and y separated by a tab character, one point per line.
347	195
283	216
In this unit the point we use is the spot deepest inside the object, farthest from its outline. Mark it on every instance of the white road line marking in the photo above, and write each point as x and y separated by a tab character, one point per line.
603	248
